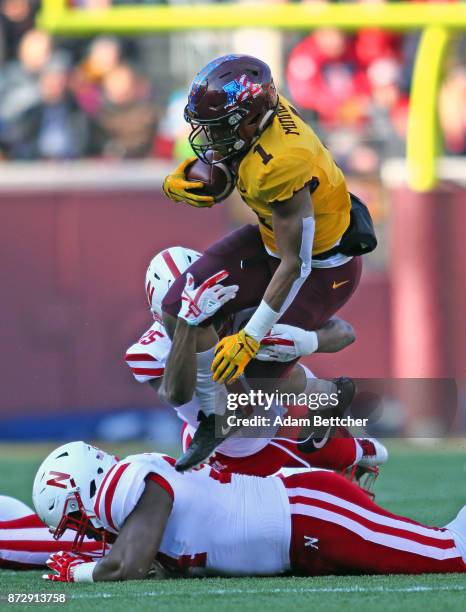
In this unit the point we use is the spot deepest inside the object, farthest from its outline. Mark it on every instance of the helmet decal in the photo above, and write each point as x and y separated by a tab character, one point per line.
240	90
168	259
202	74
57	480
162	272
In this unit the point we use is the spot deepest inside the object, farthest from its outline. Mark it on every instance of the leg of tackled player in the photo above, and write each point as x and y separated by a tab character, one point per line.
336	528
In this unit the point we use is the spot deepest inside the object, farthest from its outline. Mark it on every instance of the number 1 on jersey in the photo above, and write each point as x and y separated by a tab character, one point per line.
266	157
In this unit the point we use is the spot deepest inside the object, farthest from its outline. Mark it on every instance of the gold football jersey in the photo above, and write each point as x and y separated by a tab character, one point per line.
288	156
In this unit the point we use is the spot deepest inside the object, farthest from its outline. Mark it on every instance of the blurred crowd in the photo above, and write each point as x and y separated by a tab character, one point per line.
68	99
356	89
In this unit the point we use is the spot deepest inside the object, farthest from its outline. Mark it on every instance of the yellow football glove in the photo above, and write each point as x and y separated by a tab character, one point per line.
232	355
176	187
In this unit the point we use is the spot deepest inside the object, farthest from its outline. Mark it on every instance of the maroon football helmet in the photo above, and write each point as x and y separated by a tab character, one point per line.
231	101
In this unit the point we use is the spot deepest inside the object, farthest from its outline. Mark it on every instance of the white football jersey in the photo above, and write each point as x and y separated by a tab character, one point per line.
147	359
219	524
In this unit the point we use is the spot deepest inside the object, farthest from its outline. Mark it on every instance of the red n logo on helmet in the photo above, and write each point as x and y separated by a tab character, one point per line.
58	479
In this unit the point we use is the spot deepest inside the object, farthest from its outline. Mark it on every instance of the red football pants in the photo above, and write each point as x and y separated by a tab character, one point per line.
336	529
337	454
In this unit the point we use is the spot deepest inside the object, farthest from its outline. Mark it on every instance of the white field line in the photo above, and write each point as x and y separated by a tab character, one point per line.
265	591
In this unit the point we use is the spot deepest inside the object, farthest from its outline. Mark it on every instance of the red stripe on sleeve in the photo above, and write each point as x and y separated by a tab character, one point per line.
160	480
155	372
139	357
111	492
171	264
101	488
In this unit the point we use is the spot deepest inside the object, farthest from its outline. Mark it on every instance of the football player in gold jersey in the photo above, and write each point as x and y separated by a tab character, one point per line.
291	182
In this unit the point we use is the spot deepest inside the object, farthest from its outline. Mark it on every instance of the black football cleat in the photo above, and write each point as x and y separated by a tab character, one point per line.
346	389
311	439
202	446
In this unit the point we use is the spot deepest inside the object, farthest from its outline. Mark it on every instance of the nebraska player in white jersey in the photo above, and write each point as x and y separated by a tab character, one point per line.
311	523
260	456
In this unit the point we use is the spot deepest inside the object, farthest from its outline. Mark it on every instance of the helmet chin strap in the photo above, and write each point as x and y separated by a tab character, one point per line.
263	124
265	119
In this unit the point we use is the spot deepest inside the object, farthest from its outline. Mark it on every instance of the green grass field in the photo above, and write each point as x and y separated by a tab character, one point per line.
426	483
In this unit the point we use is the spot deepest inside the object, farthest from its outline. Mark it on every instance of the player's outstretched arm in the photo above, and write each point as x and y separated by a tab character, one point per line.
335	335
286	342
137	545
197	305
132	556
179	379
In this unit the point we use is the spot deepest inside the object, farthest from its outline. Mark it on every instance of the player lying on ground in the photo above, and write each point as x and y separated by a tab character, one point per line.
207	523
183	378
289	179
25	542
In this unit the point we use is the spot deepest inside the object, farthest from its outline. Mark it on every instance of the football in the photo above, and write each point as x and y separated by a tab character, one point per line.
218	179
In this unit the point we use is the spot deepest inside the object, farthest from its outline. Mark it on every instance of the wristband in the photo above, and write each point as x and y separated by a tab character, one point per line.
261	321
83	572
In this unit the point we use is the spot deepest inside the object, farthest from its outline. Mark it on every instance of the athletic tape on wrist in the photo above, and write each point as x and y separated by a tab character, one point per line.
261	321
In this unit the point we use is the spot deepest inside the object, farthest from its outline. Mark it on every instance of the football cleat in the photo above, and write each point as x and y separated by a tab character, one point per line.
366	471
202	446
346	389
313	439
374	453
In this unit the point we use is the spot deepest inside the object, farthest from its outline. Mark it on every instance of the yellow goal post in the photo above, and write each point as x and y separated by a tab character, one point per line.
438	22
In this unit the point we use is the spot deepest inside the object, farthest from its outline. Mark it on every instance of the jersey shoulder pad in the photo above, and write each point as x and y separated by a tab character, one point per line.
124	484
147	357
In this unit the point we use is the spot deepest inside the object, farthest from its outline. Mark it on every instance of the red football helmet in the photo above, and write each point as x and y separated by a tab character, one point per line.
231	101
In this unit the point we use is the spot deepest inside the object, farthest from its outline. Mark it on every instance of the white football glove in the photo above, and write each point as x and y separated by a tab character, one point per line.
286	343
199	304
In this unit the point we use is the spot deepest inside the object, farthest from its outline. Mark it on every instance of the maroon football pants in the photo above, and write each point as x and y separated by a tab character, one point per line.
243	255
